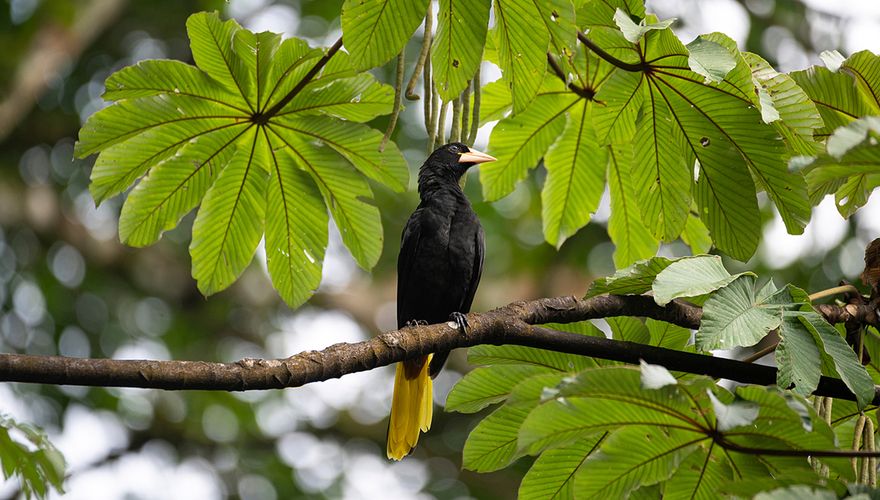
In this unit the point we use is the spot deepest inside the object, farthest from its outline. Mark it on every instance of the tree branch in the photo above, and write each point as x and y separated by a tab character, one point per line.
515	324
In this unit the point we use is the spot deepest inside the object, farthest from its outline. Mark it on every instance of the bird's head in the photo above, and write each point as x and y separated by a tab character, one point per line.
449	163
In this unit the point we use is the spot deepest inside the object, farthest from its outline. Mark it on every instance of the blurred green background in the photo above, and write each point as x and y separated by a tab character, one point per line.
68	287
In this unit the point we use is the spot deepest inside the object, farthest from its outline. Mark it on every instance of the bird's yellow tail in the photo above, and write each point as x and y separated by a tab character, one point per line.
411	407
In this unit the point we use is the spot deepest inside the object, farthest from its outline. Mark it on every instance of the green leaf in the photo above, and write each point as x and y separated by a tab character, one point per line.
837	99
690	277
662	174
356	143
484	386
632	240
345	193
710	59
634	32
492	444
458	44
552	475
28	454
635	279
575	177
767	165
359	99
495	101
735	317
522	48
851	170
185	135
560	19
786	105
846	364
376	30
229	224
510	354
797	357
174	186
623	96
216	46
633	457
864	67
696	235
699	476
668	335
628	329
598	400
296	226
519	142
682	120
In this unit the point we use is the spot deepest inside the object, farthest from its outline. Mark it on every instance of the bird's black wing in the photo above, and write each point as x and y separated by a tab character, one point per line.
476	272
407	283
479	250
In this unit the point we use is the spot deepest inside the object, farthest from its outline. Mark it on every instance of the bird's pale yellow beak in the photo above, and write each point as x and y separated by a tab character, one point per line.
474	156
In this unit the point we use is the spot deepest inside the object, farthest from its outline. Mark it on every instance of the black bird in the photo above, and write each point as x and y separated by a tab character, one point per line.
439	267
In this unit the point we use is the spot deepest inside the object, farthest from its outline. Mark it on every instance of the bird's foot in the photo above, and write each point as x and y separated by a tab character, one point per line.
416	322
460	321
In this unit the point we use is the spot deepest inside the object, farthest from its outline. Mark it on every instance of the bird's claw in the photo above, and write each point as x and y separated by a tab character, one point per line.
460	321
416	322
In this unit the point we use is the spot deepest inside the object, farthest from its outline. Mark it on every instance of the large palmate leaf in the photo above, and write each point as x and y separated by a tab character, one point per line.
262	149
666	110
688	435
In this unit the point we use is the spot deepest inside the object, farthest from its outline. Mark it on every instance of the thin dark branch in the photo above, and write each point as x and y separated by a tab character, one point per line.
304	81
634	68
797	453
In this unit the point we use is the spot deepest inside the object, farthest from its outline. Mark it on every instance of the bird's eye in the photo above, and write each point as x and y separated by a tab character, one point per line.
454	148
